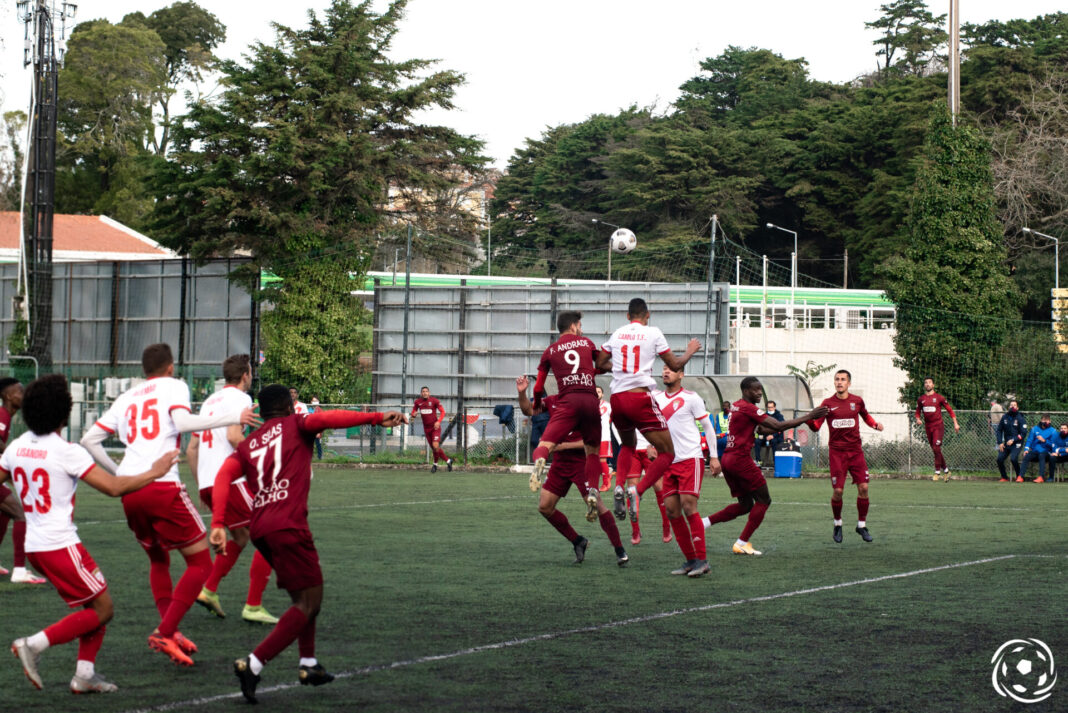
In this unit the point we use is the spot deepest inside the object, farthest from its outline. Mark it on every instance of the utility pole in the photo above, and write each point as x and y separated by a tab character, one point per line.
45	51
954	60
845	270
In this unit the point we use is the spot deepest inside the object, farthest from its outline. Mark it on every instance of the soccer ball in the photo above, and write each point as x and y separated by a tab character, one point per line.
1024	670
623	241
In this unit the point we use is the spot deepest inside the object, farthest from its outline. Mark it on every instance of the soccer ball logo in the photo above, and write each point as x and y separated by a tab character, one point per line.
1023	670
623	241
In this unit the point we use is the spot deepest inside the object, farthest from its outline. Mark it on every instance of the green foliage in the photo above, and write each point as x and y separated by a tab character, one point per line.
910	33
811	370
954	297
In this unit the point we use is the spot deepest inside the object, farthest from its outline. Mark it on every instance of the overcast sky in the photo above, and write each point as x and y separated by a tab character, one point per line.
533	64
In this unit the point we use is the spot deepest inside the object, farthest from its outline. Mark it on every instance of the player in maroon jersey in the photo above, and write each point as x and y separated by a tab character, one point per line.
432	413
846	455
572	359
930	405
276	460
569	468
741	472
10	402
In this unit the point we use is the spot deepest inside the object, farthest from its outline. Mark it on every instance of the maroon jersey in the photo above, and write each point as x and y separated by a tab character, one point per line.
428	409
276	461
843	422
744	419
930	405
5	426
550	404
572	361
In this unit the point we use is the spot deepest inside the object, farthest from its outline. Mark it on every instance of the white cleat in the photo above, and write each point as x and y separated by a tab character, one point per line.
591	505
29	659
96	684
21	575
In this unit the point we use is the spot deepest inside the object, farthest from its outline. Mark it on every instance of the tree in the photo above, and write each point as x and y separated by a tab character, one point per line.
292	165
11	132
911	34
953	294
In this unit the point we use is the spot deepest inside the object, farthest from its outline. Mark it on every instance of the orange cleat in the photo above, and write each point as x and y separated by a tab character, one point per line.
159	642
183	643
1019	478
1040	479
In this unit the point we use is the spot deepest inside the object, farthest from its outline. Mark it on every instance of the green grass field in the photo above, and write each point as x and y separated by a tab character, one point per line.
450	593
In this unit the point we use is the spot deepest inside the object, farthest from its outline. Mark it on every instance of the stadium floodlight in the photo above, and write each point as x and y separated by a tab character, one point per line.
1056	255
793	276
611	225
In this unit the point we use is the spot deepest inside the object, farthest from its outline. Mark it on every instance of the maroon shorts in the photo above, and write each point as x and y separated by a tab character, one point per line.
161	514
847	463
238	505
742	474
935	433
575	411
684	477
568	467
639	463
636	410
292	555
432	434
72	572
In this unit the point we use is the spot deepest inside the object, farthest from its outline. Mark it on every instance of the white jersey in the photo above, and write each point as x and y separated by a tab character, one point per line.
141	419
606	421
214	445
299	407
634	349
682	410
45	471
640	443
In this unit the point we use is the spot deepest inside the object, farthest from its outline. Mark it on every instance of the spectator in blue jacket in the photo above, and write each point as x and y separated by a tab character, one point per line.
722	425
1060	450
1039	446
1010	436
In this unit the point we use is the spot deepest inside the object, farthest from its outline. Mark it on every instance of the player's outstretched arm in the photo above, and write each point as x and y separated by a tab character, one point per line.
525	406
676	363
119	485
93	441
322	420
775	424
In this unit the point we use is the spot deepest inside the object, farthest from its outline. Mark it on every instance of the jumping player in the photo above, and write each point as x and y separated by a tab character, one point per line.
572	359
569	468
682	484
626	502
149	420
930	405
631	351
46	470
432	413
206	452
276	460
741	472
10	403
845	452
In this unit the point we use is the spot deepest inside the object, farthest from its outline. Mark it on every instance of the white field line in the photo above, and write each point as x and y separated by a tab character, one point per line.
594	628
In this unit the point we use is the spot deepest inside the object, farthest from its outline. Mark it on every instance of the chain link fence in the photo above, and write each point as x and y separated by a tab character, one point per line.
484	436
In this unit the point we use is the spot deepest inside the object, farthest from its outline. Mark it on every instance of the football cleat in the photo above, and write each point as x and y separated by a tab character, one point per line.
636	538
1004	480
184	644
95	684
837	533
1019	479
863	532
632	505
945	477
591	505
700	568
210	601
686	567
258	615
4	571
314	675
621	557
536	476
448	464
935	477
21	575
619	503
248	679
434	468
1039	479
580	549
163	644
30	659
667	536
746	549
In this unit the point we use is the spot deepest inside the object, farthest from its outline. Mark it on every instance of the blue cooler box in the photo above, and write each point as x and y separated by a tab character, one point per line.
787	464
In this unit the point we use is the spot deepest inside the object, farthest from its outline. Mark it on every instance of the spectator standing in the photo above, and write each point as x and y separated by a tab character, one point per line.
771	442
996	412
1010	437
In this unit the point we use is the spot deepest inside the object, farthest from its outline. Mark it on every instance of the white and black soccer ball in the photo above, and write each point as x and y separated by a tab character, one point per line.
1024	670
623	241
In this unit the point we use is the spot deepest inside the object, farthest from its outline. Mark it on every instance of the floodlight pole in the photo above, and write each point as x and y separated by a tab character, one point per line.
1056	255
708	300
793	272
604	222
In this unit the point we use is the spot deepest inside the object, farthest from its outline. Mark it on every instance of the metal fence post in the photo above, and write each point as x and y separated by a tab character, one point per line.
463	432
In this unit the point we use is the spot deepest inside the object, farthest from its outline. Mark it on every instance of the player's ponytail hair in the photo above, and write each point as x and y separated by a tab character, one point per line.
46	404
274	402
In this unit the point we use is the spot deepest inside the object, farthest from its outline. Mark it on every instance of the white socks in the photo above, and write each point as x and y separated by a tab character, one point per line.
308	662
85	669
38	642
254	664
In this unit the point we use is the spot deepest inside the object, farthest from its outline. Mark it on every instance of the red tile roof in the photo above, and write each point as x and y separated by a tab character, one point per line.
73	234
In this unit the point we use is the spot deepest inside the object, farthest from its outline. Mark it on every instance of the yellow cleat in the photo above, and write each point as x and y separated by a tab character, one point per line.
935	477
535	477
591	505
258	615
746	549
210	601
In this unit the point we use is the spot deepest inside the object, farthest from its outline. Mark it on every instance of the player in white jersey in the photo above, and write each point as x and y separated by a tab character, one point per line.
206	452
149	420
631	351
606	440
682	483
299	406
46	470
